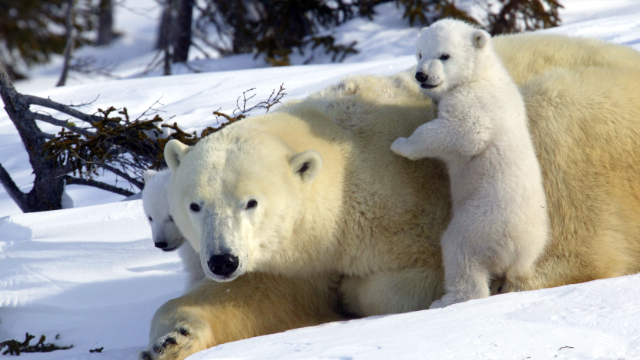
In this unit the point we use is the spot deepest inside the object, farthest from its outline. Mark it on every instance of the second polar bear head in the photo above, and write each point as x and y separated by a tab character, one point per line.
238	196
448	53
164	231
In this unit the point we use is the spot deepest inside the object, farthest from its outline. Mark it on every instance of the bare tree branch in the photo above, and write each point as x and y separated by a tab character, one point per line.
46	135
98	184
65	124
12	189
35	100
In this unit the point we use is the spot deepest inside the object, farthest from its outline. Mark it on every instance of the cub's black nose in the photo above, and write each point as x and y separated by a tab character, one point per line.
223	265
161	245
421	77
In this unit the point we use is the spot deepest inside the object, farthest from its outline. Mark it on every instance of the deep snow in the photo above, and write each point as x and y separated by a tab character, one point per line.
91	273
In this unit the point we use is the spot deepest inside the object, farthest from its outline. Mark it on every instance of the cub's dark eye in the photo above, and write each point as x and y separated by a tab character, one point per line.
251	204
170	218
194	207
150	219
444	57
419	56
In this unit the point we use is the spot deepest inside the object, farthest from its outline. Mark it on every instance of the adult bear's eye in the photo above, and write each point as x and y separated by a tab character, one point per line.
194	207
444	57
150	219
419	56
251	204
170	218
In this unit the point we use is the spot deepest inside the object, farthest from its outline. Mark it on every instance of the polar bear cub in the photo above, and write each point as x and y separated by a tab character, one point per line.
500	223
164	231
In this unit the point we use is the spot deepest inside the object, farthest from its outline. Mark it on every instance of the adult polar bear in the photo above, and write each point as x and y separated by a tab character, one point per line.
361	224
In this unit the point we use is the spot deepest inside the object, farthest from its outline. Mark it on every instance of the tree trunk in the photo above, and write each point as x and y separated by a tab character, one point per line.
48	185
181	30
105	23
165	35
68	50
163	29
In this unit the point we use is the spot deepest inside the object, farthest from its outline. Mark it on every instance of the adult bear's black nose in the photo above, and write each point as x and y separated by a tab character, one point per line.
223	265
421	77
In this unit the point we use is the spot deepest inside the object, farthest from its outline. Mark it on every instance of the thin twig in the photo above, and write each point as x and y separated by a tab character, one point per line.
138	184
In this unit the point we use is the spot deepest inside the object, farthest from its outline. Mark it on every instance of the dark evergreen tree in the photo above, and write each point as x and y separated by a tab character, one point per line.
32	30
276	28
524	15
426	12
511	16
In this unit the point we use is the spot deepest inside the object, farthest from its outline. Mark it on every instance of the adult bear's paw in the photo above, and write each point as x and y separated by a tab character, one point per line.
176	335
174	345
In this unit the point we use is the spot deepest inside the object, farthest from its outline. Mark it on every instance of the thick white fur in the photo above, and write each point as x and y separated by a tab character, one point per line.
367	227
500	221
163	228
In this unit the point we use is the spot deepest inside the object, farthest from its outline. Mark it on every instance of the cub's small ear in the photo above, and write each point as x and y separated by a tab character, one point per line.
480	38
306	164
148	175
174	152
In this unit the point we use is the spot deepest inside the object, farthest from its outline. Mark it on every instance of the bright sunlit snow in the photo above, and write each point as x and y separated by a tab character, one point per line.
92	275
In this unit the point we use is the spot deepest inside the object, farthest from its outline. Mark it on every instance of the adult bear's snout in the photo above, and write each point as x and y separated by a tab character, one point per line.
421	77
223	265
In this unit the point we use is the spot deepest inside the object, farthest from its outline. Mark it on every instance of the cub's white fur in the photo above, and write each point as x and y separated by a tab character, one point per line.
165	233
500	221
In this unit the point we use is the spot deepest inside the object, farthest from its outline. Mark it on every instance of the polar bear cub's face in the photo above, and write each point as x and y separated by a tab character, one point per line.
238	199
447	53
155	202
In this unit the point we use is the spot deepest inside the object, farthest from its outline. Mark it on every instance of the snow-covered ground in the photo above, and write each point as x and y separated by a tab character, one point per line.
91	273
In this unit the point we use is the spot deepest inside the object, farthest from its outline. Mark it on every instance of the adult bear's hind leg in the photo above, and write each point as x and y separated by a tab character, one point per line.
389	292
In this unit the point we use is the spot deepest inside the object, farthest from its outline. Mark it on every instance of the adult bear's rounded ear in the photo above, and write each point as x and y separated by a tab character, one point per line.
148	174
480	38
306	164
174	152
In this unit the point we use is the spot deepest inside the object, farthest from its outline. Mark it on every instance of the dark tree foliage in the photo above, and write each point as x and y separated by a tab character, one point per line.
524	15
426	12
511	16
32	30
276	28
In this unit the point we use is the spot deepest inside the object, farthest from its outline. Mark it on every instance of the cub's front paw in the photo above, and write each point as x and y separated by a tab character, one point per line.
183	340
446	300
402	147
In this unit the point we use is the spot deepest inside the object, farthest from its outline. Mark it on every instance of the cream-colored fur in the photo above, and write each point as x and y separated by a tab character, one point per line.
500	222
375	231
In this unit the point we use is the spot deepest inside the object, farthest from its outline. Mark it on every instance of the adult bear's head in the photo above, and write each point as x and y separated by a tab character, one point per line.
239	198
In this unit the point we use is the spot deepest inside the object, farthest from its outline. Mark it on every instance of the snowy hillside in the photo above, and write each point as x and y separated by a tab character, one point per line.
92	275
